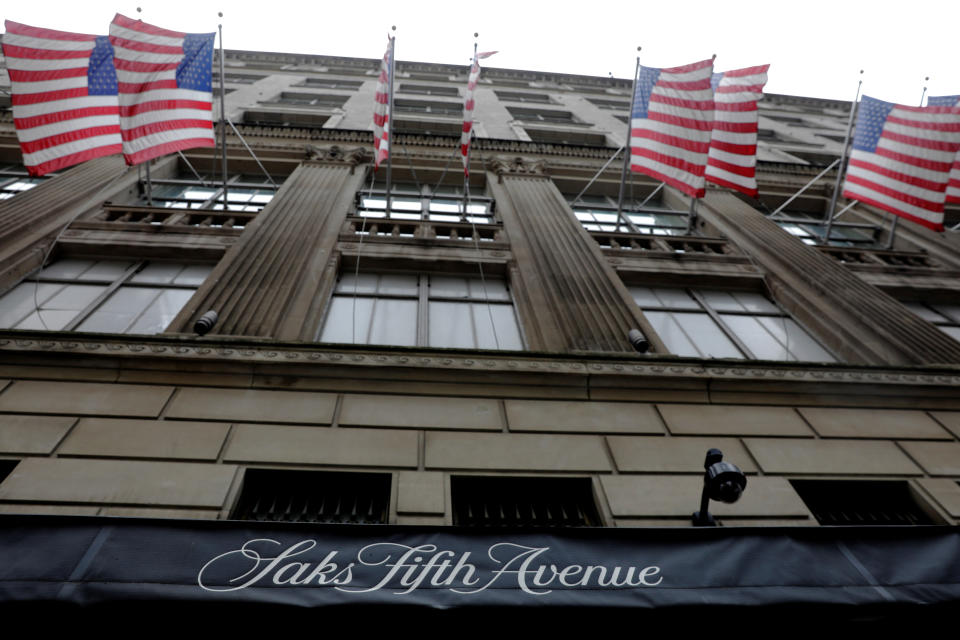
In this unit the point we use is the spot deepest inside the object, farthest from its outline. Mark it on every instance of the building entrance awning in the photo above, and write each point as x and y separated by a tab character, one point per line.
98	561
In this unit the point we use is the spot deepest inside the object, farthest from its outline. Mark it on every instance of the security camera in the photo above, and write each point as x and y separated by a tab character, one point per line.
723	482
638	340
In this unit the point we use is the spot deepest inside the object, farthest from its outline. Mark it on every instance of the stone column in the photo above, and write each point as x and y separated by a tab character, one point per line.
269	284
857	321
568	296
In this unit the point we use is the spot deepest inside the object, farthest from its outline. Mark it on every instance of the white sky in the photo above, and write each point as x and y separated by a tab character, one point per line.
815	47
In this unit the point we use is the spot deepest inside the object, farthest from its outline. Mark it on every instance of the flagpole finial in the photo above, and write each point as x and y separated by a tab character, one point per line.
638	49
476	35
713	57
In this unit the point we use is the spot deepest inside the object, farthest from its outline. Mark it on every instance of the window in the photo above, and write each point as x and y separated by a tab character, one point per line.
517	96
111	296
309	100
493	501
599	213
945	315
275	495
409	202
422	106
810	229
422	310
618	105
543	115
726	324
14	179
861	502
332	83
291	118
424	127
244	193
565	136
451	92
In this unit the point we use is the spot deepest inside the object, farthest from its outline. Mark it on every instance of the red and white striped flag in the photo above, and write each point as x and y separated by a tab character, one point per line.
953	186
468	109
164	86
671	124
64	96
381	104
902	157
732	159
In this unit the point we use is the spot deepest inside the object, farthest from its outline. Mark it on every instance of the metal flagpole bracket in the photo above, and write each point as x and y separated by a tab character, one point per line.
804	188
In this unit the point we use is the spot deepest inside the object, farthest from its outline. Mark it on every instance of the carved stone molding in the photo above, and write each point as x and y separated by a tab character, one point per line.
518	165
177	348
335	154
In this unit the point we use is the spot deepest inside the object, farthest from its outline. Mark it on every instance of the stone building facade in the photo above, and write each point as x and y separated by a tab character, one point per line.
429	346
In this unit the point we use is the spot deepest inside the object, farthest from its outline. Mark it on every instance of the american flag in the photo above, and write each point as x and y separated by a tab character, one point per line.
901	159
468	109
953	186
671	123
64	96
381	126
165	88
733	145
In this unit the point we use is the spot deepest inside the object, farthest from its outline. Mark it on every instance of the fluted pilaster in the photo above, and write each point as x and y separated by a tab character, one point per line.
570	297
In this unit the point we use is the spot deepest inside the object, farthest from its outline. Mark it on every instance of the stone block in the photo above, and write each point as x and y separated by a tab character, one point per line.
873	423
420	412
32	434
121	482
420	492
515	452
649	454
945	492
146	512
936	458
49	509
949	419
322	446
85	398
733	420
171	439
252	405
421	521
679	496
831	457
592	417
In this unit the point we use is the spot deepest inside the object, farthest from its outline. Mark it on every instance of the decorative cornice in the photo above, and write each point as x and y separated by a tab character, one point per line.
256	352
336	155
517	165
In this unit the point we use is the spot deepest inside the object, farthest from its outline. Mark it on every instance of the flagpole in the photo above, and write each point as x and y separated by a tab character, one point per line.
843	158
149	188
626	143
466	168
896	218
393	70
223	118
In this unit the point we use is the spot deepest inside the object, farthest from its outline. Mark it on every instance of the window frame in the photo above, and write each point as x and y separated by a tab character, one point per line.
111	286
423	297
704	307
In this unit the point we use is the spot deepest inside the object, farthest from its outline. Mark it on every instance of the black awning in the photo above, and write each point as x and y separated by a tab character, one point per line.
98	561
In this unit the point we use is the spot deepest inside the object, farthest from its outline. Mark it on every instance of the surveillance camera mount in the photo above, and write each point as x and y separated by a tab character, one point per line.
721	481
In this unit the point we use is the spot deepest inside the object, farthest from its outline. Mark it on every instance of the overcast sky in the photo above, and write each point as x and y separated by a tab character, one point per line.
815	47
